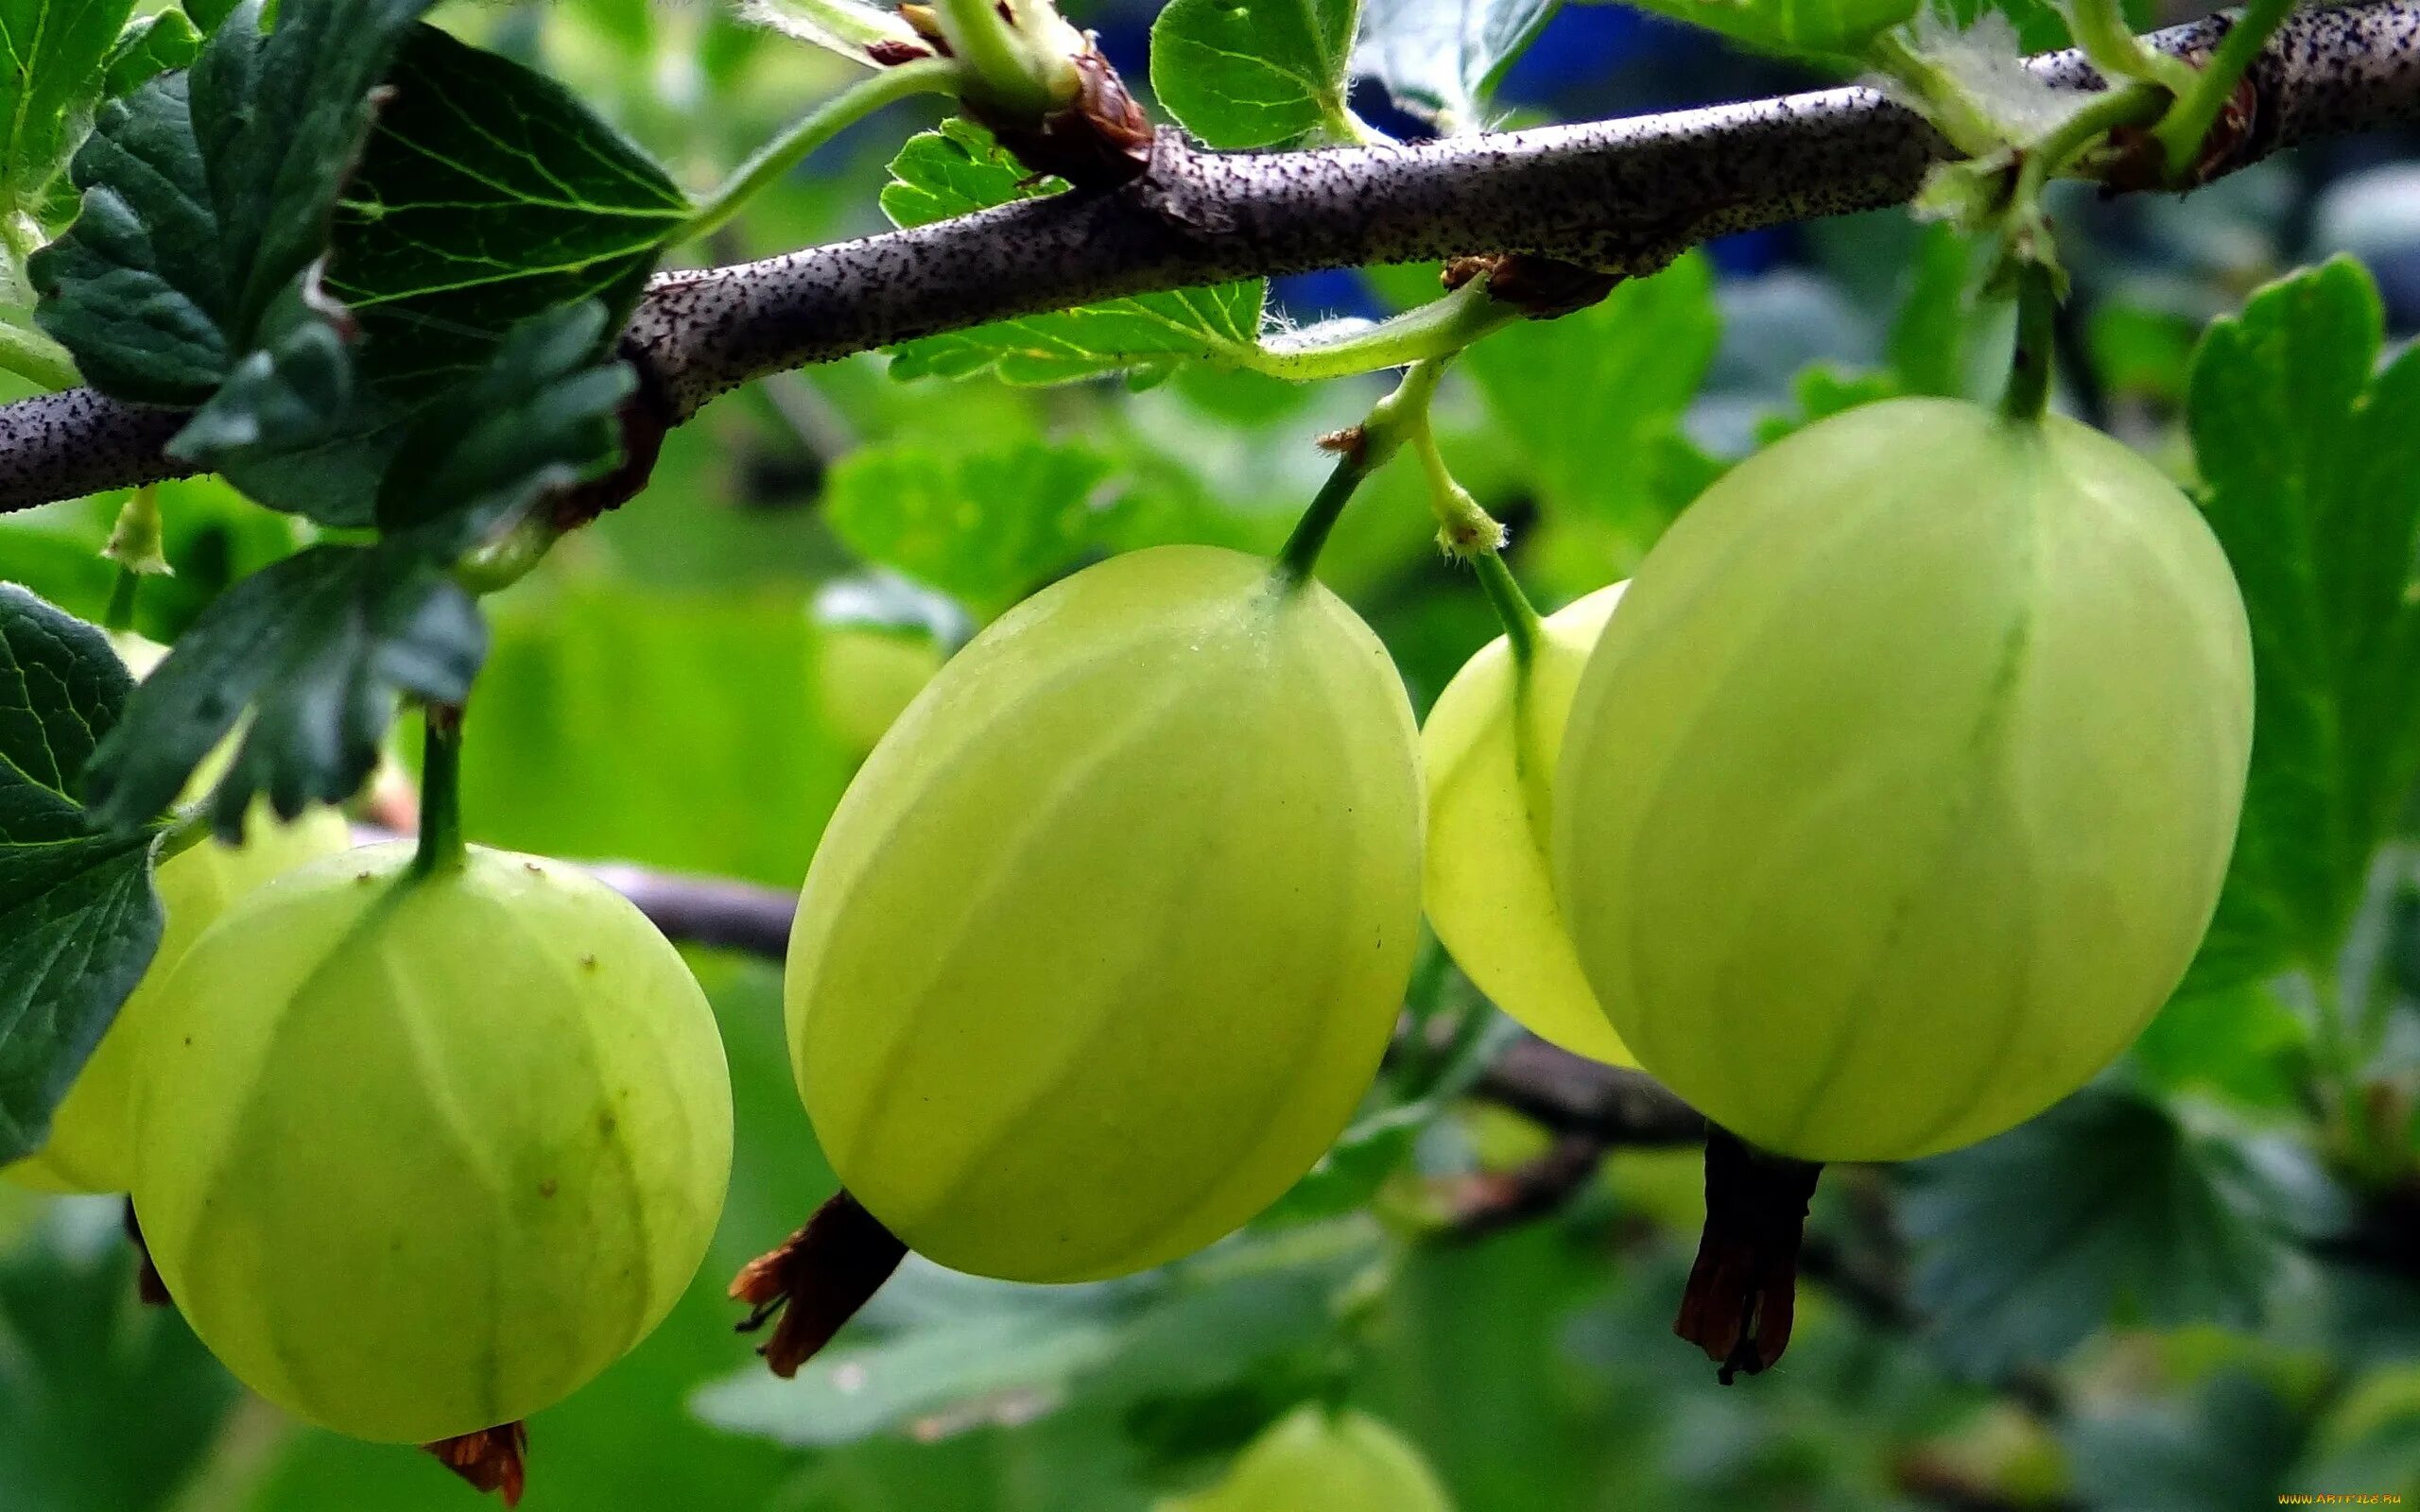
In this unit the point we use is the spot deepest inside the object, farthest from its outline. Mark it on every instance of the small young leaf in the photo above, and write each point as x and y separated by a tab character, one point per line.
487	193
79	920
207	193
317	647
1441	59
987	528
958	170
2105	1205
2311	463
54	56
1240	73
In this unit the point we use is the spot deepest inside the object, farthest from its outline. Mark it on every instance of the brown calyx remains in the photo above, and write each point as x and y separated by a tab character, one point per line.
816	1281
1743	1289
494	1459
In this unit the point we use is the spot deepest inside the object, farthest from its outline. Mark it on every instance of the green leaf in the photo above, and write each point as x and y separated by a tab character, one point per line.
317	648
959	1352
931	1373
958	170
1255	73
488	193
2311	464
79	920
1592	393
986	528
1841	27
150	46
54	55
540	417
208	193
1441	59
2107	1206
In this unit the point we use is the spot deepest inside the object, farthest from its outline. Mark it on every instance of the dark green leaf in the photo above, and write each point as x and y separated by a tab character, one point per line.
1255	73
79	920
317	648
2311	461
53	56
208	193
986	528
959	169
289	393
488	193
540	417
1441	59
2105	1205
150	46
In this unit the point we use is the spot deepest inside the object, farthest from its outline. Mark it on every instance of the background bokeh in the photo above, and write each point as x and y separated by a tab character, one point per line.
2155	1297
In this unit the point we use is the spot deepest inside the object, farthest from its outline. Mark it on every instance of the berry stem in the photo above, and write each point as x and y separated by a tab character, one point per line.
2187	123
1523	630
440	791
1438	329
1361	451
2029	369
1301	551
777	157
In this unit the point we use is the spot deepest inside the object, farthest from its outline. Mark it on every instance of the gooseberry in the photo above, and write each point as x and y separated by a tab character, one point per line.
1489	749
1105	941
1316	1459
1897	796
420	1152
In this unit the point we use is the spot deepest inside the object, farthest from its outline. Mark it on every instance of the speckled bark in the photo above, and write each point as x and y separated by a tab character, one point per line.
1625	195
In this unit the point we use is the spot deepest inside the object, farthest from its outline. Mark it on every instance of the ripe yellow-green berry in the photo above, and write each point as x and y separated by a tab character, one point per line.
1489	748
419	1155
1104	943
1318	1460
1897	796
